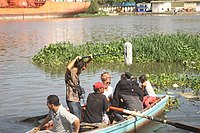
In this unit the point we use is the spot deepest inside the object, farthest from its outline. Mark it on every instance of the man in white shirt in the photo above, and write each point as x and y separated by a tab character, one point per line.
62	119
106	80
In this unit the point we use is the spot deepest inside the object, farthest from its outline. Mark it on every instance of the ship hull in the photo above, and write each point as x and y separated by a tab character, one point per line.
48	10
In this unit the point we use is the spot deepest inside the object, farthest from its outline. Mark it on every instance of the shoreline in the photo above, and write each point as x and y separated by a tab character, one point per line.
153	13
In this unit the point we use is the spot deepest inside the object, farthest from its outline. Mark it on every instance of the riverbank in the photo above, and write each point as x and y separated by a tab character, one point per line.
160	13
84	15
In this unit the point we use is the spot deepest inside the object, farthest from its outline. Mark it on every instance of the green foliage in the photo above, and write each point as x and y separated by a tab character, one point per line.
172	103
94	7
57	54
182	48
168	48
165	81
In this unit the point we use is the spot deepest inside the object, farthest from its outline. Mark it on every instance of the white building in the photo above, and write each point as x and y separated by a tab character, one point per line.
192	5
161	6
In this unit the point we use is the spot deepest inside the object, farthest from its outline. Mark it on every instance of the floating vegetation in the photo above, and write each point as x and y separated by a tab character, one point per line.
57	54
182	48
172	103
166	81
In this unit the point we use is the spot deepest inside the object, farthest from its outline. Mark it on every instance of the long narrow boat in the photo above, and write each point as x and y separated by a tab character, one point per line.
130	124
41	9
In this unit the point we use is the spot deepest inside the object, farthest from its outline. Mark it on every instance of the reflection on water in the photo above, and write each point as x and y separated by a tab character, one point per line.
135	68
24	87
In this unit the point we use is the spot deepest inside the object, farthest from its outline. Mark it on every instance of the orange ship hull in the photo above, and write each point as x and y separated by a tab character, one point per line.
48	10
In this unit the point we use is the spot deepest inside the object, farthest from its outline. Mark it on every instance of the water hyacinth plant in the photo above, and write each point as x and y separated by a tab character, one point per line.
181	48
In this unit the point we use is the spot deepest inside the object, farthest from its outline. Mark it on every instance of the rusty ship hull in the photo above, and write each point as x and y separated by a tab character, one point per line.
47	10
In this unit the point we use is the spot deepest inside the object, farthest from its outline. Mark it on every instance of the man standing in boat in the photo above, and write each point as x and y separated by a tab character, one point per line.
73	70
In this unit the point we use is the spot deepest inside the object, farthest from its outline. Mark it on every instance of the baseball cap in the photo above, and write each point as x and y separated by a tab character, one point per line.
98	85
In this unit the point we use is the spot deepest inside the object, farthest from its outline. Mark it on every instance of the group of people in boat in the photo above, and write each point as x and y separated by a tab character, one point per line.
128	93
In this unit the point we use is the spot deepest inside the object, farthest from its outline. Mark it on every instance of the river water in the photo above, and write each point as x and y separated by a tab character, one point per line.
24	87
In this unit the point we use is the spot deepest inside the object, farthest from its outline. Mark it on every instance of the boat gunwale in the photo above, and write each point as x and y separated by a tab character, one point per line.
146	111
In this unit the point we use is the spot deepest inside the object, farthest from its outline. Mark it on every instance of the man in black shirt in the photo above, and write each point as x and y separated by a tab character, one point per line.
127	95
96	104
130	92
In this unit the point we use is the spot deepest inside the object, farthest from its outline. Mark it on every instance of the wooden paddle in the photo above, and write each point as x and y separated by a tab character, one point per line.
175	124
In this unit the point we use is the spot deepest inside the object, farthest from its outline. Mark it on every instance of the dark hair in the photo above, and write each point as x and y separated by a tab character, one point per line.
79	64
53	99
128	75
102	76
123	77
142	78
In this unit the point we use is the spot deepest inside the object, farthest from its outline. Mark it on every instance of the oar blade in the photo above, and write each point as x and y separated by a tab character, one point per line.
186	127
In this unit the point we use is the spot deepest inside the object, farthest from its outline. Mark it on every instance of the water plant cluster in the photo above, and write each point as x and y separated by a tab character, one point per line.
180	48
182	81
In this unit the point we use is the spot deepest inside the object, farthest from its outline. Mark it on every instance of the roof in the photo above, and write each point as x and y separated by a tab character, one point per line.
142	7
128	3
124	4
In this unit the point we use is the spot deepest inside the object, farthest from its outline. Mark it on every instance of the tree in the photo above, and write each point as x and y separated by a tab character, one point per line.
94	7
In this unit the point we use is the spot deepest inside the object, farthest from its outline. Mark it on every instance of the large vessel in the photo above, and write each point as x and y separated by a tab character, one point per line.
29	9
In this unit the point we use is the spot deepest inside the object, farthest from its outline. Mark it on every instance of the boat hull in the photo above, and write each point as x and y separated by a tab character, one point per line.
48	10
130	124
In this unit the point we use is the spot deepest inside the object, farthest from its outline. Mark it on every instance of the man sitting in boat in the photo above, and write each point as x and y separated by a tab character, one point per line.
96	105
108	92
106	80
128	92
149	93
62	119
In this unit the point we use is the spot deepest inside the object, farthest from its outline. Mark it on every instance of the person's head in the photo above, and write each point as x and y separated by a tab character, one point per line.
123	77
52	101
134	78
128	75
80	64
106	78
142	78
99	87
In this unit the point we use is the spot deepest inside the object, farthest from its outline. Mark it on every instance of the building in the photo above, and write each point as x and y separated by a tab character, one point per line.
161	6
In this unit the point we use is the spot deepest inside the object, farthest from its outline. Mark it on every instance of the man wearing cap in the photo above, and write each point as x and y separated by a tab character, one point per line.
96	105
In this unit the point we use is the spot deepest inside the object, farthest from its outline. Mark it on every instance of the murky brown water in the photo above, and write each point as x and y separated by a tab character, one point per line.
24	87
